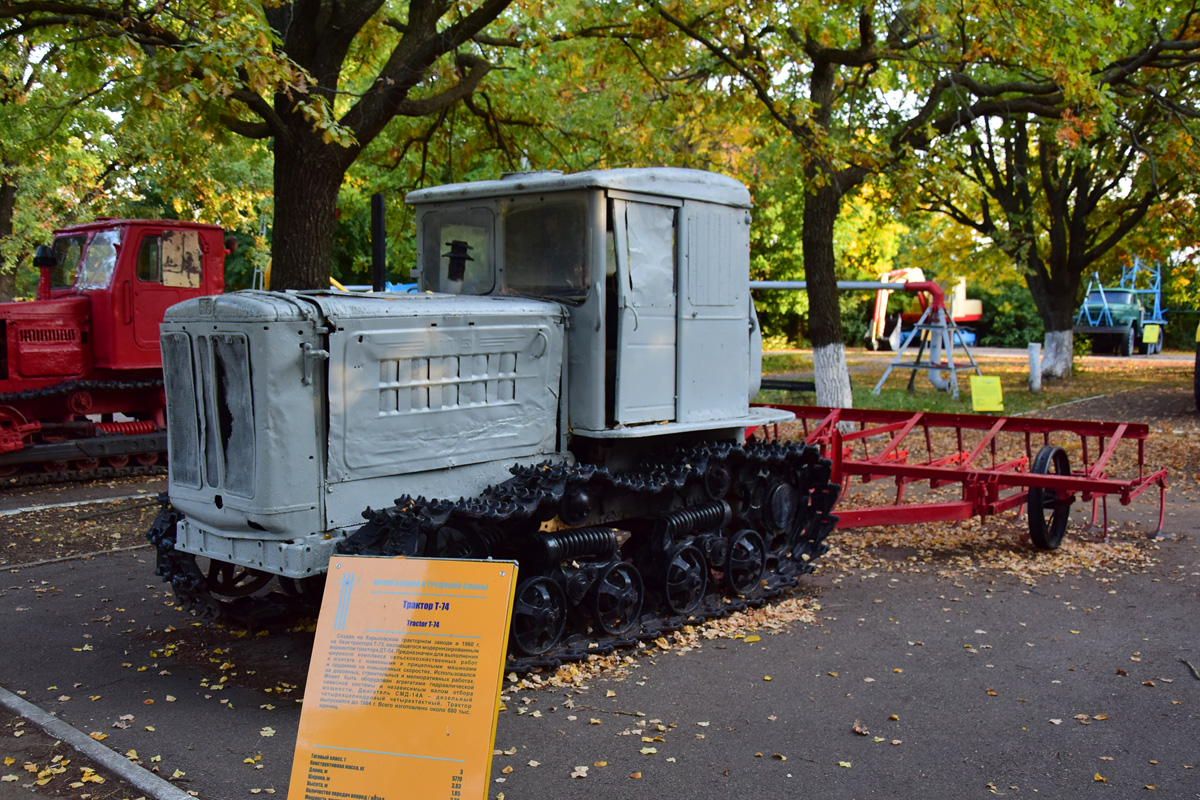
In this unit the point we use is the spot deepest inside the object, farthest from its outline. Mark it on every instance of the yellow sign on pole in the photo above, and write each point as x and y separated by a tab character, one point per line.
986	394
404	683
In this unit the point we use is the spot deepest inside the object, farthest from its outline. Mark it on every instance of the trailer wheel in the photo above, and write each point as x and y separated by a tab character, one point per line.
1048	512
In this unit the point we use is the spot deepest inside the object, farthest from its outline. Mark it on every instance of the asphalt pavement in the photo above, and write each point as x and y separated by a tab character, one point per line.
960	684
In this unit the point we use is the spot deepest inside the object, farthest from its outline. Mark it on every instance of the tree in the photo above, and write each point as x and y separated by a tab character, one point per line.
320	79
1060	182
858	102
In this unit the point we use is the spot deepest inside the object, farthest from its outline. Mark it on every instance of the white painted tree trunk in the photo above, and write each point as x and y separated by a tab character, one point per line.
1059	354
832	376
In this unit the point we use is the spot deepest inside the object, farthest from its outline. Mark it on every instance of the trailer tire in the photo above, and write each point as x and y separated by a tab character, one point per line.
1048	514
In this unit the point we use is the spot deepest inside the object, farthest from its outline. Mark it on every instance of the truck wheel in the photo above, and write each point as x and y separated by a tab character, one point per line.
1128	342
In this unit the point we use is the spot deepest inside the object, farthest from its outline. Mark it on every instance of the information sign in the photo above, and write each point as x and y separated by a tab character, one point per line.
404	683
986	394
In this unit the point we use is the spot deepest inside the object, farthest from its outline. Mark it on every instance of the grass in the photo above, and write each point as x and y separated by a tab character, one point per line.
1093	377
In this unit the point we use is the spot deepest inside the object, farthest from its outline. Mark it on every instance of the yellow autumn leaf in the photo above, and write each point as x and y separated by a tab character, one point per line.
751	639
98	736
636	775
845	764
1100	778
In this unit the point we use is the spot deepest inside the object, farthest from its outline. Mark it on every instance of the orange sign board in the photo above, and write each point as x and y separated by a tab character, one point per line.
404	683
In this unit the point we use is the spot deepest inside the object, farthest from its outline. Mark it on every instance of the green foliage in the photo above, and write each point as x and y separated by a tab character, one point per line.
1010	318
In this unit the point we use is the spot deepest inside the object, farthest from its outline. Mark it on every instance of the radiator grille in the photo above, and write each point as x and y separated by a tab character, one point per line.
411	385
48	335
210	411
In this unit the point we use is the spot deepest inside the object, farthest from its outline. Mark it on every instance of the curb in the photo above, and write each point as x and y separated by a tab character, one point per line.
139	777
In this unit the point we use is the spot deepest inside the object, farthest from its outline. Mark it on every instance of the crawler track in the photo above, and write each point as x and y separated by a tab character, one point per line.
607	558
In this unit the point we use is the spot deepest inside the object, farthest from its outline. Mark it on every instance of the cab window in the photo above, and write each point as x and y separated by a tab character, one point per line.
67	250
99	260
148	267
457	257
545	249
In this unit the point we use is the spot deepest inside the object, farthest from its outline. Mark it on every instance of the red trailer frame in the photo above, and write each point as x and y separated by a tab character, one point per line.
880	444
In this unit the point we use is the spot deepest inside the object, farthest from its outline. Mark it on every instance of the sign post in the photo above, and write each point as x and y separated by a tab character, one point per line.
404	683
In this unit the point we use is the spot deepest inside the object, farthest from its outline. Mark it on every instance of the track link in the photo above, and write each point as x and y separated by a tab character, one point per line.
734	525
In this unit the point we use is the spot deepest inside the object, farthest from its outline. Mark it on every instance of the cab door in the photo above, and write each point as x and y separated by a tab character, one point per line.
644	240
168	272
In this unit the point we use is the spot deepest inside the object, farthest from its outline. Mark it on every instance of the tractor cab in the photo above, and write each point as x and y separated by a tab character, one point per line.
650	265
103	289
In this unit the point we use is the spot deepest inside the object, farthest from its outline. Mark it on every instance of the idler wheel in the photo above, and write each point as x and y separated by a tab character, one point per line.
1048	510
539	616
685	580
80	402
746	562
780	507
231	580
616	598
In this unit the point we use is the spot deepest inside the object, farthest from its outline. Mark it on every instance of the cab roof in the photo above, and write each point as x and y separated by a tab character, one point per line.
684	184
110	223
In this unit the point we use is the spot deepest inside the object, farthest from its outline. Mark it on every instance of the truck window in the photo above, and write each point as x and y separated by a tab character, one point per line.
458	251
545	249
67	249
99	260
148	265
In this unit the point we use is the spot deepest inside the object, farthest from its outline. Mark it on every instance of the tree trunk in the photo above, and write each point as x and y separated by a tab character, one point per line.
824	313
1058	354
8	272
308	176
1054	290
